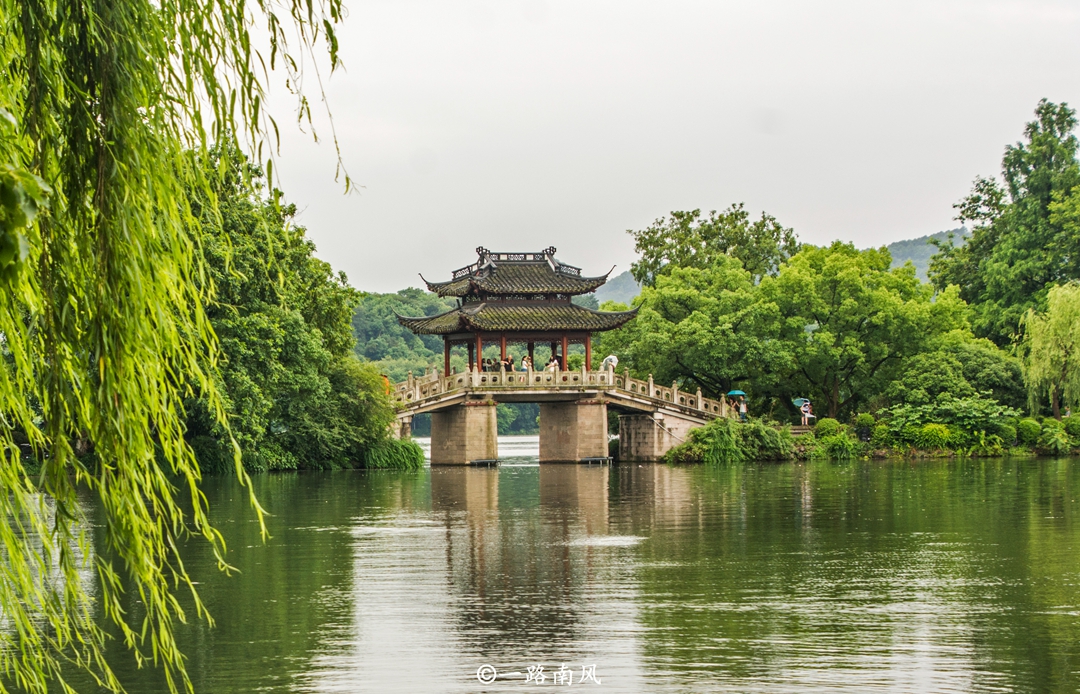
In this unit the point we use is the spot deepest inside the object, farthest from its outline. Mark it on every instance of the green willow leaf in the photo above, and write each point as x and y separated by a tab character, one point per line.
106	105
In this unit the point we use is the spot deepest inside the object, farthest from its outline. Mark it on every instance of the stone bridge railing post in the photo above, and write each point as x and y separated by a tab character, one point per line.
652	387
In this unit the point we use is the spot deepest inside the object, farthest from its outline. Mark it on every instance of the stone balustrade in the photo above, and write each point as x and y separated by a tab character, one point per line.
415	390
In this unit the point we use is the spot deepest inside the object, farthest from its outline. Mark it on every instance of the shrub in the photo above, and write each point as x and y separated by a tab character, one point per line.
986	445
760	441
1051	423
933	436
881	438
727	441
613	449
1007	432
715	443
971	415
1072	426
394	454
826	427
837	447
1027	432
864	426
1054	440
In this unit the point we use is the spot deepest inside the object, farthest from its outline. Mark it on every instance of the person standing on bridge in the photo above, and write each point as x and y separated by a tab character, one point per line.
742	408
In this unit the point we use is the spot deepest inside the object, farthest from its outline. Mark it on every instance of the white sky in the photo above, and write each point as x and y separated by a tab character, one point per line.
521	124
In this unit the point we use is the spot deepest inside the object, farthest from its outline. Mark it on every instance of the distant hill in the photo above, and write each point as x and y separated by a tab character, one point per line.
622	288
919	250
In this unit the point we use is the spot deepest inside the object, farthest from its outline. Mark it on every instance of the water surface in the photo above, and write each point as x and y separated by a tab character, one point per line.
867	576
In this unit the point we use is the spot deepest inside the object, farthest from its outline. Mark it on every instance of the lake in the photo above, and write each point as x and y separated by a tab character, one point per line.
869	576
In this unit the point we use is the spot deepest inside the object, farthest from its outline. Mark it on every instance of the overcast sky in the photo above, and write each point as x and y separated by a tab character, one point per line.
519	124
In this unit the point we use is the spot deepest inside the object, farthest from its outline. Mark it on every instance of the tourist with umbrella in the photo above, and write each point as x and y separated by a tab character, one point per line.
741	404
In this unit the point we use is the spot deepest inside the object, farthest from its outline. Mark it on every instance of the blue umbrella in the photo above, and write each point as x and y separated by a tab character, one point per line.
736	392
799	402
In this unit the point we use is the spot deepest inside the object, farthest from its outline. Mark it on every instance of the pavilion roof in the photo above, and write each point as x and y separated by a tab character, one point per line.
517	317
517	274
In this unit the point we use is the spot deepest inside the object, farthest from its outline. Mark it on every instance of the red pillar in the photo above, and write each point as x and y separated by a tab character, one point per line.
588	351
531	346
470	345
565	344
446	355
479	353
502	347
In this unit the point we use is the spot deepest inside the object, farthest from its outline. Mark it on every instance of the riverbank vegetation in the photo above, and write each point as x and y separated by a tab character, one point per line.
104	109
980	360
296	395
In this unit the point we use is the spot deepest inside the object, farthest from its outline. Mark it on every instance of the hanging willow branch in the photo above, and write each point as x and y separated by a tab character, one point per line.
104	107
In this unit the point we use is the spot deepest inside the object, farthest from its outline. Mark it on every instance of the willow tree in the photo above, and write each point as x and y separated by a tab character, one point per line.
1052	350
102	328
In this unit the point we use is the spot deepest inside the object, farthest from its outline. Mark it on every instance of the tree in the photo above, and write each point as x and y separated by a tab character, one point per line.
1023	242
686	240
959	365
103	325
702	327
1052	359
851	323
295	393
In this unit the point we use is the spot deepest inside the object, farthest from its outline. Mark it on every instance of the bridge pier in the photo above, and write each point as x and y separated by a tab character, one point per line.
464	433
573	431
645	438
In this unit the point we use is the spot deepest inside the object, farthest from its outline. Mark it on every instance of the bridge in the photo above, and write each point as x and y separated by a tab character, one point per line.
573	413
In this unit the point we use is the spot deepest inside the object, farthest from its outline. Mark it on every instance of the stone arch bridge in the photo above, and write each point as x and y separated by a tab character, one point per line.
573	413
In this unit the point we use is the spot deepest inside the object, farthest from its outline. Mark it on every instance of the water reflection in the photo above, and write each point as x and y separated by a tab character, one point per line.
869	576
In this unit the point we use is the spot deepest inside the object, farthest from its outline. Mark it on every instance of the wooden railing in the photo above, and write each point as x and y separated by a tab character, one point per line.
417	389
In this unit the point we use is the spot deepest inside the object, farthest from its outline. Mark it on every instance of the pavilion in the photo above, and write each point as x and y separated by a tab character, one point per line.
523	298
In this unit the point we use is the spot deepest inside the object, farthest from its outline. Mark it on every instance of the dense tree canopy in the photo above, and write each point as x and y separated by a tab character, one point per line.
396	349
1026	235
296	395
687	240
704	327
850	321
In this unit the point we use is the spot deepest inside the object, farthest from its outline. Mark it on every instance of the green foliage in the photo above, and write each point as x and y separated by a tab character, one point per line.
393	454
716	443
967	415
760	441
104	332
1055	441
1028	432
700	327
685	240
394	348
1025	234
838	446
864	425
296	396
933	436
987	445
881	437
1007	432
827	426
1052	361
1072	427
851	323
723	441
